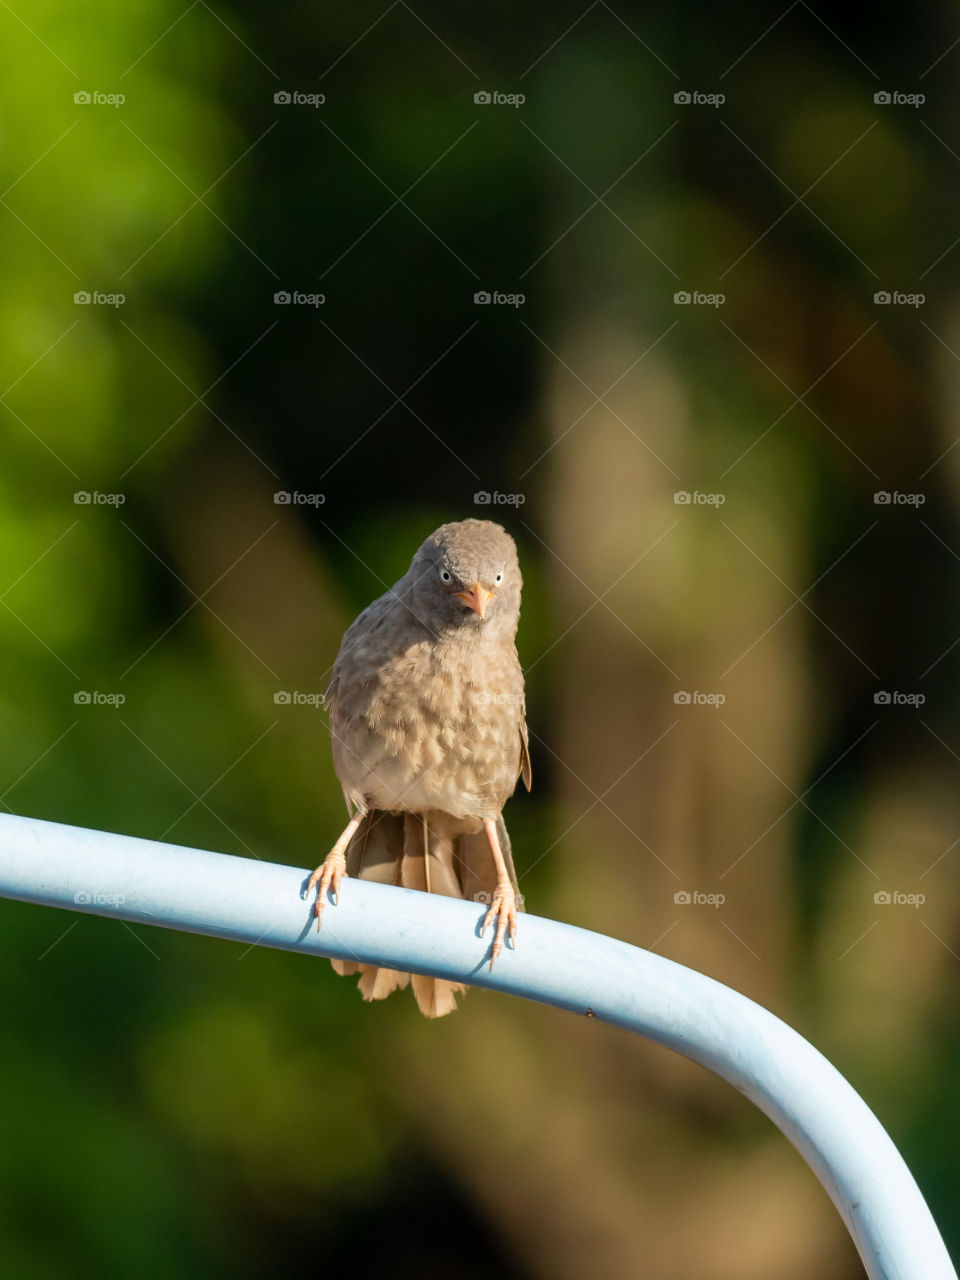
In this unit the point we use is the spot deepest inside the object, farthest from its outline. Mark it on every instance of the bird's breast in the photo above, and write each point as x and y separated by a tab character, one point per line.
433	728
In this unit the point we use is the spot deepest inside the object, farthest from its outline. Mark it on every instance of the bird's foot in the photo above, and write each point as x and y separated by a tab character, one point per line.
503	910
329	873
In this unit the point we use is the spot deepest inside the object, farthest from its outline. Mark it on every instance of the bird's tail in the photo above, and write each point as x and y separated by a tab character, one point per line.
427	852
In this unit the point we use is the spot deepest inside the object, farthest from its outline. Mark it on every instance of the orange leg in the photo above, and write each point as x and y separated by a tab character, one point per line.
332	869
503	909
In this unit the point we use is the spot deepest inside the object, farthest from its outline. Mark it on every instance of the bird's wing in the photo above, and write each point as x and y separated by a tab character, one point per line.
526	770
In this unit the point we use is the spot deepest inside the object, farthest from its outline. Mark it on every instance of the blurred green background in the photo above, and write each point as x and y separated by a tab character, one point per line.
178	1105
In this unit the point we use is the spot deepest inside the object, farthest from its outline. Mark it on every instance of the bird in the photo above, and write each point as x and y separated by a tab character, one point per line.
429	737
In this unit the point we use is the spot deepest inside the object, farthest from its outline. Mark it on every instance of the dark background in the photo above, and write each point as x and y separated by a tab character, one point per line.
178	1105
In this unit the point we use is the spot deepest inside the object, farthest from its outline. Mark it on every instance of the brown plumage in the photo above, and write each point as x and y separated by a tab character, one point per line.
429	738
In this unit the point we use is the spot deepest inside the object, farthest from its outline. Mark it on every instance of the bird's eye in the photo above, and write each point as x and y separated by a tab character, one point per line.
445	575
499	578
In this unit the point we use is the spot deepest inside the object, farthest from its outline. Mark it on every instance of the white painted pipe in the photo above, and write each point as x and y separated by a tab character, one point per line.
586	973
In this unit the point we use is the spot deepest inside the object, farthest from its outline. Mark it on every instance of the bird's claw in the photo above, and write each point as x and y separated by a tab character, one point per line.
329	873
503	909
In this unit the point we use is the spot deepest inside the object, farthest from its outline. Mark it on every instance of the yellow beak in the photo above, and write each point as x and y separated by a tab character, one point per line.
476	598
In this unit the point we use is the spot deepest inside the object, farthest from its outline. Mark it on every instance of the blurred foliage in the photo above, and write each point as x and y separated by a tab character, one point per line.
177	1105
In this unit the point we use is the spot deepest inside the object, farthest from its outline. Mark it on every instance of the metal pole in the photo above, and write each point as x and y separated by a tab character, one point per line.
586	973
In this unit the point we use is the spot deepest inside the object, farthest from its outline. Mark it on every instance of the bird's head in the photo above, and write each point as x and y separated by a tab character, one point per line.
467	575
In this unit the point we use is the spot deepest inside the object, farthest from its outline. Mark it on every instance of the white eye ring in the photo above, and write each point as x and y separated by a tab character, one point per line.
499	578
445	575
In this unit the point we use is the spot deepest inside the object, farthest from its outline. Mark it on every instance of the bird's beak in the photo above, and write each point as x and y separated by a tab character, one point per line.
476	598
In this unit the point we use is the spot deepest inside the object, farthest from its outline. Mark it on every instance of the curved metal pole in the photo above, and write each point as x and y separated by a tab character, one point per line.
258	902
